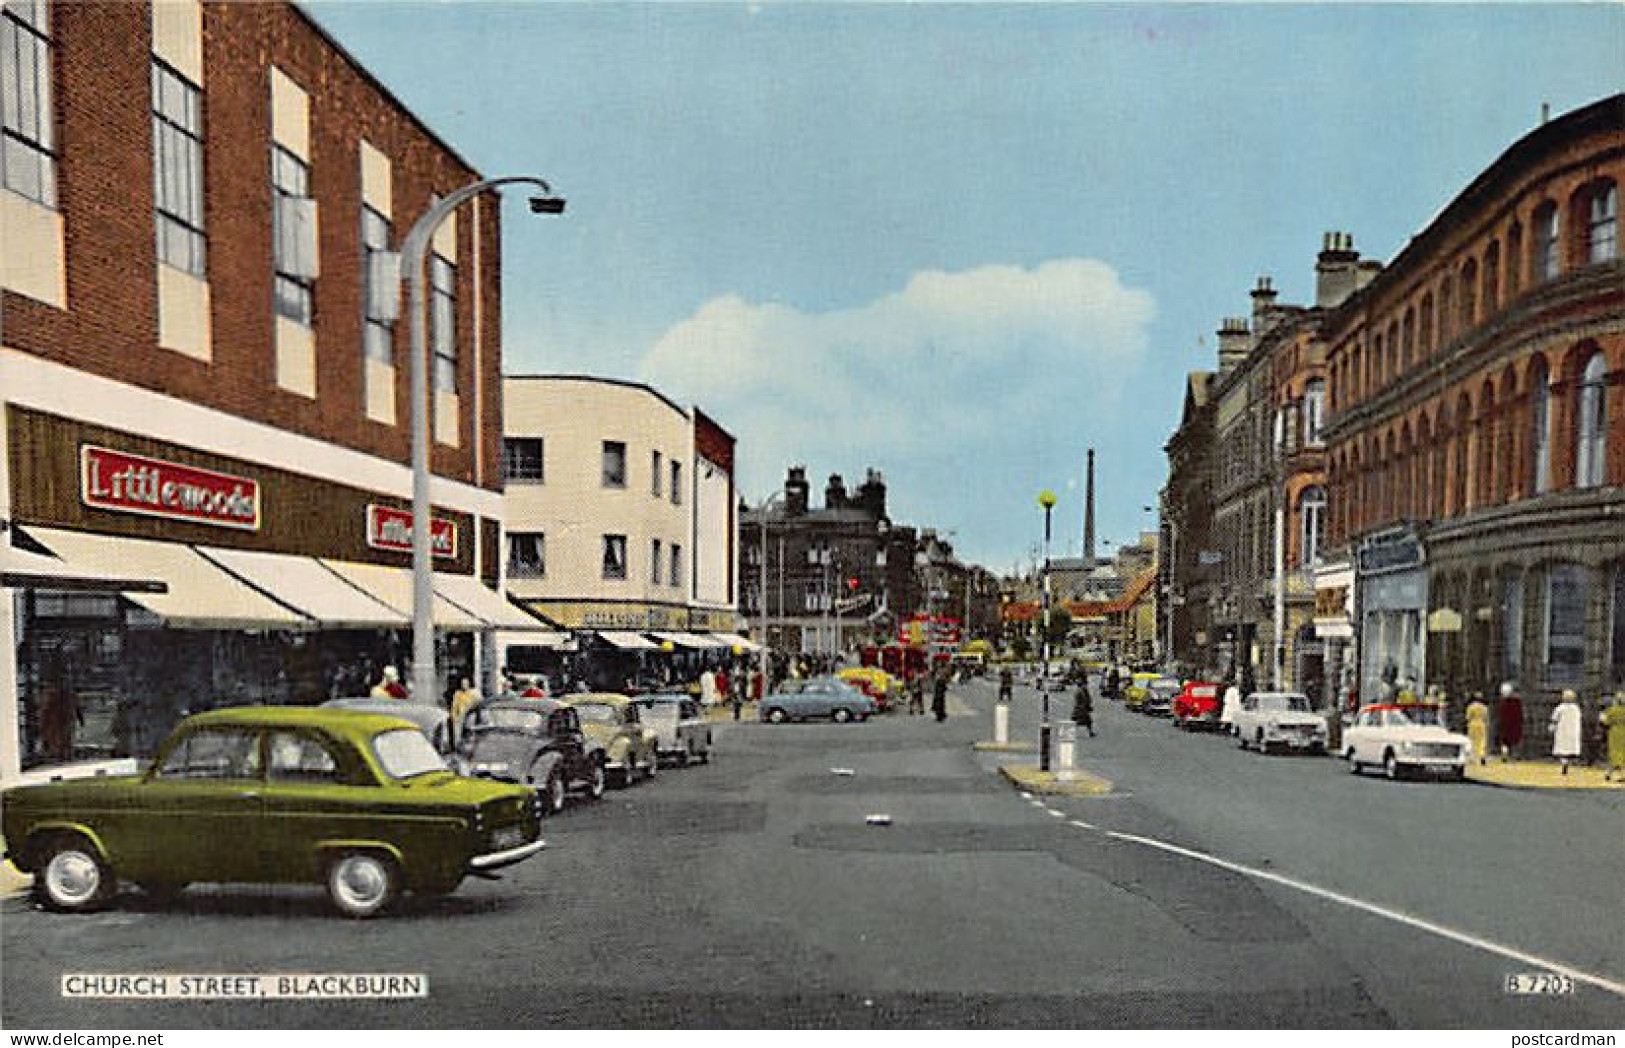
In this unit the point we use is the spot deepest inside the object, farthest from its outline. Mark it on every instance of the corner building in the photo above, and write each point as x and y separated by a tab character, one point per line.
204	415
1477	436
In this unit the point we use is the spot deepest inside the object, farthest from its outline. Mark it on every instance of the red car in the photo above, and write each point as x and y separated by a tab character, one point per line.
1198	705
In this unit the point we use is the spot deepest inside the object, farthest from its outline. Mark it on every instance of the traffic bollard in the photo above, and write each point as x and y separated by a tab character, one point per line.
1001	723
1067	737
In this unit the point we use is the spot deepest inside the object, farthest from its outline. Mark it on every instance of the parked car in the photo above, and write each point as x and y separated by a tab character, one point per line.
873	682
612	721
431	720
816	697
1134	690
1198	705
1405	737
1159	696
360	802
681	733
1279	718
538	742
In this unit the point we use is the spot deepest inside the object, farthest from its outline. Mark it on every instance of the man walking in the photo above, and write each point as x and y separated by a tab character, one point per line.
939	696
1006	685
1083	707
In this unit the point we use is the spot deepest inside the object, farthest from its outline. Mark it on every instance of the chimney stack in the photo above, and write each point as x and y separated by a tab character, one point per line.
1263	304
796	491
1089	511
1337	270
1235	342
835	492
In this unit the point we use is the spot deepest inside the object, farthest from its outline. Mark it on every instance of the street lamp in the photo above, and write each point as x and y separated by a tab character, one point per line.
1046	499
761	663
413	249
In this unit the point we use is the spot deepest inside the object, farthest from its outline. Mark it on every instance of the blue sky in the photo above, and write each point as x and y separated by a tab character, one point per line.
958	243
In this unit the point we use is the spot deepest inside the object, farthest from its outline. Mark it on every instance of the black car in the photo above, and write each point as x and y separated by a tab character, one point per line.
538	742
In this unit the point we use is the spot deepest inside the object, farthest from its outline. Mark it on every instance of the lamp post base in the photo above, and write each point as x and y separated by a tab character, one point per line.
1043	746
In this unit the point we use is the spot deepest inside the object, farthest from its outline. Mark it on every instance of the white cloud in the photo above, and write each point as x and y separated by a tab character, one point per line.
956	371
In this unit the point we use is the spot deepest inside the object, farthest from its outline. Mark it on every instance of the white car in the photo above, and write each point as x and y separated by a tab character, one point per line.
1279	718
1407	737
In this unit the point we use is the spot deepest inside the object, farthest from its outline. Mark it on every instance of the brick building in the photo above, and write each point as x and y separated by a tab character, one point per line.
1477	436
197	392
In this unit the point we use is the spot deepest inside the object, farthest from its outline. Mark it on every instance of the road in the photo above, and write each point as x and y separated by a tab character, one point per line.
752	893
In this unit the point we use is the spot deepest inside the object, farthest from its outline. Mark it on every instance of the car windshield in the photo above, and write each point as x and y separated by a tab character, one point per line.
509	720
1205	692
1165	685
405	752
596	713
1415	716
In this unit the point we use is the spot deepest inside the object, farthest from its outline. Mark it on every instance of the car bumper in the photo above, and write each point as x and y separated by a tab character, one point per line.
1295	742
1435	765
497	860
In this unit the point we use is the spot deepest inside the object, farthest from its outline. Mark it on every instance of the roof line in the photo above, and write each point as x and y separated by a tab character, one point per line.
626	382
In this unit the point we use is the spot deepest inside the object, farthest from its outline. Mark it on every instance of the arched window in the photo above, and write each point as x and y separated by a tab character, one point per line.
1484	441
1469	294
1446	318
1492	278
1312	524
1544	261
1514	279
1460	440
1379	360
1426	334
1407	340
1602	232
1540	415
1590	438
1393	351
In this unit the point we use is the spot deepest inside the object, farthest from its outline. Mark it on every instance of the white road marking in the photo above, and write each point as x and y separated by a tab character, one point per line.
1522	957
1026	796
1080	824
1057	814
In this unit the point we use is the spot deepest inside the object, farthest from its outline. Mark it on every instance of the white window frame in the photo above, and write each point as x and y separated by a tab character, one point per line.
177	170
381	272
1312	524
1540	412
614	561
1314	413
615	478
28	131
293	236
517	469
1603	230
527	567
1591	423
443	321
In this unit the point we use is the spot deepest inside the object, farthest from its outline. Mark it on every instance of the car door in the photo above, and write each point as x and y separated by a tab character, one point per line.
197	814
311	795
1358	738
568	741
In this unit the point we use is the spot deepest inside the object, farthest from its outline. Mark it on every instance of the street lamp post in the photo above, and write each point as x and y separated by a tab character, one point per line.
413	250
1046	499
762	658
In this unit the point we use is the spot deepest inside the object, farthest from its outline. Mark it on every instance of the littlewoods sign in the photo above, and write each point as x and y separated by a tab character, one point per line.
126	483
391	529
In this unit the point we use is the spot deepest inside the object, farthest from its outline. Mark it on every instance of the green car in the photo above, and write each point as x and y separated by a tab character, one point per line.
360	802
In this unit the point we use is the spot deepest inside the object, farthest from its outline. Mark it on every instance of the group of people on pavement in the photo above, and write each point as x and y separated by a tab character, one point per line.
937	680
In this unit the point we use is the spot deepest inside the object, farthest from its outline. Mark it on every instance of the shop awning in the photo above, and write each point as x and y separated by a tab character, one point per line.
310	586
557	640
734	640
628	641
673	639
474	597
20	567
701	641
393	586
200	594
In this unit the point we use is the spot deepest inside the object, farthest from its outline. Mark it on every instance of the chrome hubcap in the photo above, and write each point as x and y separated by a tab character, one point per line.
362	881
73	876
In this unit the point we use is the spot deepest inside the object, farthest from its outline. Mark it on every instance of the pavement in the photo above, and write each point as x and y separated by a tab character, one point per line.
1541	775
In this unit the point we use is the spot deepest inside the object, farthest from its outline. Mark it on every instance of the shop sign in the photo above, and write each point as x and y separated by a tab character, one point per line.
1390	551
125	483
391	529
1331	602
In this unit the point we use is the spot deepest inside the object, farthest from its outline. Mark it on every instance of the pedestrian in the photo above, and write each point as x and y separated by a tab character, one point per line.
1007	684
736	691
708	688
722	684
1478	726
1565	725
389	686
1083	707
462	701
1508	719
939	696
916	695
1232	706
1110	687
1613	723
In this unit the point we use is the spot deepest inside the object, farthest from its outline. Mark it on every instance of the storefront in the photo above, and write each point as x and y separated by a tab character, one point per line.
1333	626
1392	584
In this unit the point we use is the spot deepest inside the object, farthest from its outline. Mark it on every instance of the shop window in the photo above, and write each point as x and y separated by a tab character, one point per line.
177	157
443	322
378	332
1591	434
527	555
299	758
293	236
656	467
214	754
614	464
1565	623
523	460
1602	231
1544	259
28	144
1540	413
656	561
614	556
1616	647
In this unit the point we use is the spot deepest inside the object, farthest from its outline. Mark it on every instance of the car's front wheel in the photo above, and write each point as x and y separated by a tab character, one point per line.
362	884
775	716
1390	765
596	780
841	715
553	794
72	878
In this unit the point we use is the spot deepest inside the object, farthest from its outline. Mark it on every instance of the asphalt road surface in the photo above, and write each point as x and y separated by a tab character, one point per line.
1214	888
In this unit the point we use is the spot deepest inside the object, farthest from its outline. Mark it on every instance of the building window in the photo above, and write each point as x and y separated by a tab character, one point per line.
443	322
1616	658
1314	412
177	159
655	469
676	564
614	464
522	460
1540	412
676	483
1492	278
293	239
1514	279
527	555
1469	294
1544	261
1565	623
813	599
1603	230
1591	424
28	145
377	336
614	556
1512	624
656	564
1312	514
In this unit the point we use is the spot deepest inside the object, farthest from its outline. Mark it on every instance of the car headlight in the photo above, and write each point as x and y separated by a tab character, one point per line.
1406	746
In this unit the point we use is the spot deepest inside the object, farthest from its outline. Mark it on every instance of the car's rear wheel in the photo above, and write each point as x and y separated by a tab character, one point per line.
71	878
553	792
595	781
775	715
1355	767
841	715
362	884
1263	745
1390	765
